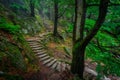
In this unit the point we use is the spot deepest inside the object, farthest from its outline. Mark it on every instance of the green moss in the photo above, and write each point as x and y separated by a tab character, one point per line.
8	26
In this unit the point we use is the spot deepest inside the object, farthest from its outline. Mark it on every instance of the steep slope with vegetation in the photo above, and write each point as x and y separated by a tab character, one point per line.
16	57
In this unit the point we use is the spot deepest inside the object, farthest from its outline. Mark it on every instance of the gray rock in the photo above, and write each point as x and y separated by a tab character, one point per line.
54	65
34	43
35	46
42	55
59	66
39	51
38	48
44	58
47	61
51	63
63	66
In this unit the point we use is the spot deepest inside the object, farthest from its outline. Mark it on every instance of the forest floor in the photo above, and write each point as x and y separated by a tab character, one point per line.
45	73
56	50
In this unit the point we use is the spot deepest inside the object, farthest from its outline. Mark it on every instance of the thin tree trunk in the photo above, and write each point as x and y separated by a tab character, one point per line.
82	22
56	18
75	22
80	12
32	8
49	13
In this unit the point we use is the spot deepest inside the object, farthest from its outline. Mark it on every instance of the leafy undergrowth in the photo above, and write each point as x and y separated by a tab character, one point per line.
56	47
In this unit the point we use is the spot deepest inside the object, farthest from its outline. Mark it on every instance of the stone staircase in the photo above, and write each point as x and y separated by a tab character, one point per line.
43	56
51	62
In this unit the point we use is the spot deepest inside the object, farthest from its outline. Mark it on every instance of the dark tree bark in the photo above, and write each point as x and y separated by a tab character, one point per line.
75	22
102	14
32	8
82	23
80	14
77	66
49	13
56	17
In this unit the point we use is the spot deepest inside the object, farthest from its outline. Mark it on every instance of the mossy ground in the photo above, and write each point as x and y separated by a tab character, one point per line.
16	56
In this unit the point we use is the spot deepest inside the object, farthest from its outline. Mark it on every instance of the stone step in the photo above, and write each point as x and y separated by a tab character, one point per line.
58	68
34	44
43	34
42	55
37	54
63	66
41	50
32	41
68	66
29	40
37	40
45	58
51	63
47	61
37	48
41	38
54	65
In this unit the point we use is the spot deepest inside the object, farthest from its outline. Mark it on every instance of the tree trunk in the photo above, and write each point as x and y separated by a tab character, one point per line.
56	18
32	8
83	17
77	66
80	12
75	22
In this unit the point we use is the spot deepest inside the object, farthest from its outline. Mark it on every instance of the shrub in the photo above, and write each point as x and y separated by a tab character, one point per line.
8	26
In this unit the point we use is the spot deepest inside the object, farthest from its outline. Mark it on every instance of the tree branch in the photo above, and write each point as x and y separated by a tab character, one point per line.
82	23
75	22
102	14
111	4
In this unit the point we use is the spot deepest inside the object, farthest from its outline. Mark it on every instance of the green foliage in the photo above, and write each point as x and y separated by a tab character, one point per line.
89	23
106	39
8	26
111	64
115	1
67	50
107	62
70	27
17	6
